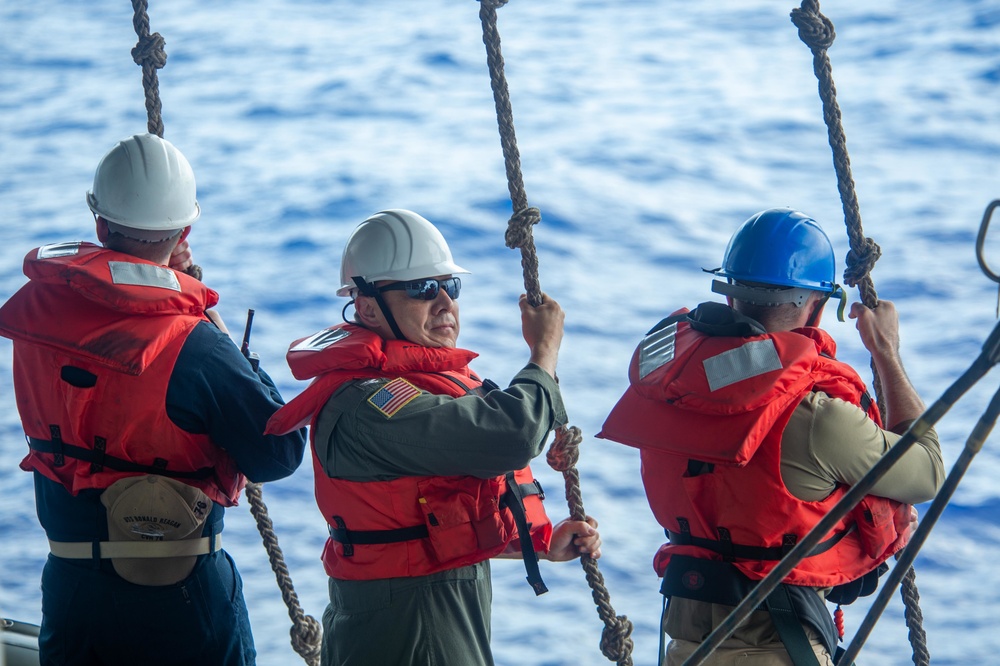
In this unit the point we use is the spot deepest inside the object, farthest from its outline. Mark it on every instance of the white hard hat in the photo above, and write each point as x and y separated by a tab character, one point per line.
394	244
142	185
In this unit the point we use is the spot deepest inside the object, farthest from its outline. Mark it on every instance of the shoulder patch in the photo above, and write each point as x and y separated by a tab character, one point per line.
393	396
657	349
320	341
55	250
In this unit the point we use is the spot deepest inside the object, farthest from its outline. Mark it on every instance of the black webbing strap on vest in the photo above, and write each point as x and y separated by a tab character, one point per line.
99	459
513	499
789	626
350	538
730	551
790	607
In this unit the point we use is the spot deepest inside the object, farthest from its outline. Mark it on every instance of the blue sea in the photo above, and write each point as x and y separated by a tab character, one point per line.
648	132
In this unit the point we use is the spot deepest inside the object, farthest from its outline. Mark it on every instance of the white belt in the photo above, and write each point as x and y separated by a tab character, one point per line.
84	550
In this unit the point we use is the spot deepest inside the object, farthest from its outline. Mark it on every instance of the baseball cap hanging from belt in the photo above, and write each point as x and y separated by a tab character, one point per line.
154	508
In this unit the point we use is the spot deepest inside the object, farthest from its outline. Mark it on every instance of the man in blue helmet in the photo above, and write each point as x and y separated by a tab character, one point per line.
750	431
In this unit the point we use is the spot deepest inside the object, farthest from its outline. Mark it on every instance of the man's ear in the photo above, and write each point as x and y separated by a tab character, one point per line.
366	309
184	234
102	229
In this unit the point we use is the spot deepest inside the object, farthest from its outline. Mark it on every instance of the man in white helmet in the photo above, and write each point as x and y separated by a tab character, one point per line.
421	466
142	418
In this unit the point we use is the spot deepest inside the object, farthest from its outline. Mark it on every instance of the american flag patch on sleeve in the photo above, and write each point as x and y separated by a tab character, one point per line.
393	396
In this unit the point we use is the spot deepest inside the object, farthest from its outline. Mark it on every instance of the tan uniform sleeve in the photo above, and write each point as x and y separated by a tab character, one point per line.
829	441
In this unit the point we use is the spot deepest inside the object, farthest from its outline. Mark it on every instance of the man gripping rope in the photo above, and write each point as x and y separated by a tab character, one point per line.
750	430
421	466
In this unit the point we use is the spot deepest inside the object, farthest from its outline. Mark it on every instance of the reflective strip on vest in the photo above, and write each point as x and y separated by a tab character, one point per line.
322	340
657	349
748	360
54	250
143	275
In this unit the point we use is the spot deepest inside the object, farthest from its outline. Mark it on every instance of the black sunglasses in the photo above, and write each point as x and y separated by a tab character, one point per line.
427	289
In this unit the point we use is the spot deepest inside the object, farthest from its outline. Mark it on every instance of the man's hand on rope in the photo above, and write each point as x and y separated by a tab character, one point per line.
542	327
573	538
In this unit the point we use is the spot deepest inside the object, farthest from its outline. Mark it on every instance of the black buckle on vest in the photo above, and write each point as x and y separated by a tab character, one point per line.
533	488
55	435
344	536
100	448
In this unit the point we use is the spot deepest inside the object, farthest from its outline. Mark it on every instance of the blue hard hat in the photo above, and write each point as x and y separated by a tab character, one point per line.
781	246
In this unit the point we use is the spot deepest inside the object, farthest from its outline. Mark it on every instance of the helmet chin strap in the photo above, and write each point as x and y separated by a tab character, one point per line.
838	291
369	289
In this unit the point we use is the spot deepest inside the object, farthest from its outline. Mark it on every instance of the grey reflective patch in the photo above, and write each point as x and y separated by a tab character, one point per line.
749	360
656	349
143	275
322	340
58	250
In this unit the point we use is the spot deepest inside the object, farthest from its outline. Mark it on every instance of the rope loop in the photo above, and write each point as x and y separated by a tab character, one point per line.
564	453
519	227
616	641
307	638
149	50
861	261
493	4
815	29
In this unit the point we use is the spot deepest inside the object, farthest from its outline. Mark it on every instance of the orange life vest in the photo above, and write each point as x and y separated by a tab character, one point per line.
96	335
708	413
413	525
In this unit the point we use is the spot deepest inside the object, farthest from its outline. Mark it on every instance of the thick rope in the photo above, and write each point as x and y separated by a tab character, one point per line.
817	31
148	53
616	641
306	632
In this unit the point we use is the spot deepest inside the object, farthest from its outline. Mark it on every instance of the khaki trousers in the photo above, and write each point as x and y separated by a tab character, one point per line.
735	653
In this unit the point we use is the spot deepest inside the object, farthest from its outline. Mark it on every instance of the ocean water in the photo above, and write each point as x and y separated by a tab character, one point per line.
648	131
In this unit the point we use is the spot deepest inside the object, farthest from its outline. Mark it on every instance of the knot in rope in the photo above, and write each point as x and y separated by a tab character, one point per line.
861	261
616	641
565	450
519	227
307	637
493	4
815	29
149	50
